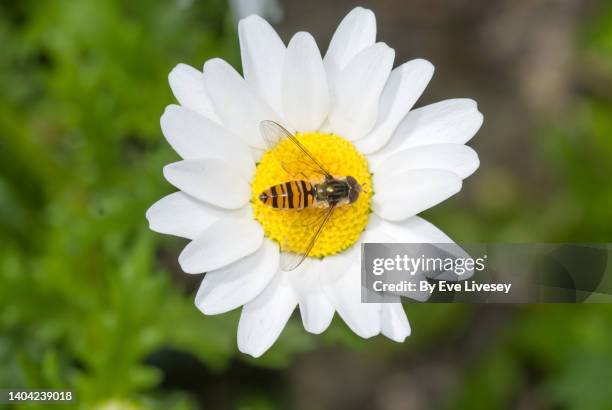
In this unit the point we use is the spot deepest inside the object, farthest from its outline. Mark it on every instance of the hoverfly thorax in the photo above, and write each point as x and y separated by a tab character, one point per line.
338	191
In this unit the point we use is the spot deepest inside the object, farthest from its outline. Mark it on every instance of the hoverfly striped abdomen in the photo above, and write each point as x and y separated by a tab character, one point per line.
297	194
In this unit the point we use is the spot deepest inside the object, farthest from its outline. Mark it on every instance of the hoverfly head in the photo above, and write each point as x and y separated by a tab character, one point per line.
354	189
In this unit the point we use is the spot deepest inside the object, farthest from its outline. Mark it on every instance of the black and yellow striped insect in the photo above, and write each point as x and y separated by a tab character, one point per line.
295	195
289	195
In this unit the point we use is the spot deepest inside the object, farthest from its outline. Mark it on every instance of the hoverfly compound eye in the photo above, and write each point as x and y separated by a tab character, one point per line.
353	195
353	184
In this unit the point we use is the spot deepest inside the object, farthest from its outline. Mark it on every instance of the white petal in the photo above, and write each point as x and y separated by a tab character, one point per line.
447	122
193	136
210	180
406	194
373	233
355	33
414	230
240	109
263	55
332	267
357	91
410	230
263	319
187	84
222	243
394	322
406	84
234	285
345	295
182	215
376	233
316	310
418	230
306	98
417	294
458	159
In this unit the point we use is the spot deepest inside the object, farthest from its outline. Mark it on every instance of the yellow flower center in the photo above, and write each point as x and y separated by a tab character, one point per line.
292	228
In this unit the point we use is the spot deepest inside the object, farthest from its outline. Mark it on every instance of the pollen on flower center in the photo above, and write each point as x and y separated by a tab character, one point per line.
293	228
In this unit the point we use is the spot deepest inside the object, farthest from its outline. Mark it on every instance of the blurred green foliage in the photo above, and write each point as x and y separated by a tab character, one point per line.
88	294
85	298
552	356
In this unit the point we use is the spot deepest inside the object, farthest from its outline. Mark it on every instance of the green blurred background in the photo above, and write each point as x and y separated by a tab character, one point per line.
91	300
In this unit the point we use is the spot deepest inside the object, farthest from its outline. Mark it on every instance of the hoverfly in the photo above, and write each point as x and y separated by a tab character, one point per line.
326	194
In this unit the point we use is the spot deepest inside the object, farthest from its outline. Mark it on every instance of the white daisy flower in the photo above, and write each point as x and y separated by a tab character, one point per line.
352	110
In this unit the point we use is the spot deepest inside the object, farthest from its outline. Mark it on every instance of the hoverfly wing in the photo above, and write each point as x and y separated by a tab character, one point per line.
273	133
290	260
297	168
